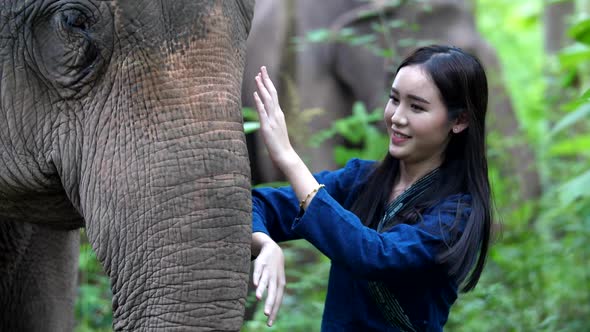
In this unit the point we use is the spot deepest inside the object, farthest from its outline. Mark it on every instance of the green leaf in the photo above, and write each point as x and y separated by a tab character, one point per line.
251	126
572	118
574	55
346	33
359	110
363	40
249	114
275	184
575	188
351	129
318	35
317	139
342	154
573	147
397	23
376	115
375	144
581	32
384	52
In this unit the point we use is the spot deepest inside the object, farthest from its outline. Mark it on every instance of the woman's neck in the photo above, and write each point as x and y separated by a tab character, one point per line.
410	173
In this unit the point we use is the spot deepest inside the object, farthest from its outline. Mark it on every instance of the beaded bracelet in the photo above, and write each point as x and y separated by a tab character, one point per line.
302	203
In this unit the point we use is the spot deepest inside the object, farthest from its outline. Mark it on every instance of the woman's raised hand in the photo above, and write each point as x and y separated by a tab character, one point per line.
269	273
272	121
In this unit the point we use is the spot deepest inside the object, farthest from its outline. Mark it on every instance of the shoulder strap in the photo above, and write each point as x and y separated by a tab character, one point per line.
385	299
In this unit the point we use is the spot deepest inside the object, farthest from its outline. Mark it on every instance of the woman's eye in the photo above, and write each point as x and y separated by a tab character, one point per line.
394	99
417	108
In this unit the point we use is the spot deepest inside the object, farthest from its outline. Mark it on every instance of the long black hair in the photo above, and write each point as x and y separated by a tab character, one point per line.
462	84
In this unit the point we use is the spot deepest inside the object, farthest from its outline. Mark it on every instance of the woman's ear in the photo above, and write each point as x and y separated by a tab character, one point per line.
461	123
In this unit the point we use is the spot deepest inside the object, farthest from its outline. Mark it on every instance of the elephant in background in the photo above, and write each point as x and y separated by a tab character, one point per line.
124	117
331	76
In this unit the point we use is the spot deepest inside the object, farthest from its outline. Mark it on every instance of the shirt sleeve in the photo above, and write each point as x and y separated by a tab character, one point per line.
275	209
341	236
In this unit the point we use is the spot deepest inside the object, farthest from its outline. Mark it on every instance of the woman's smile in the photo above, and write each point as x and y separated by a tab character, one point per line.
399	138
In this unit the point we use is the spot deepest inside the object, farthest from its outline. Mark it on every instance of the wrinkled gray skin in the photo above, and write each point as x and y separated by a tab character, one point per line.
332	76
124	117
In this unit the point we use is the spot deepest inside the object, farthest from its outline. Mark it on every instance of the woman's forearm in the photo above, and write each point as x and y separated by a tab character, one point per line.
259	239
300	178
274	133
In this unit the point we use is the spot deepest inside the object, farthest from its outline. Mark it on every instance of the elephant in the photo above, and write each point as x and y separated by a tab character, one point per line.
333	75
124	118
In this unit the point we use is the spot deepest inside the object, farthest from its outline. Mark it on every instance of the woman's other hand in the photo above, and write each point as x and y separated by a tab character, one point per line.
269	273
272	121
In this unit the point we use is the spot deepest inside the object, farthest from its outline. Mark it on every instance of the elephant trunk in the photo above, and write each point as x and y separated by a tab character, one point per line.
165	178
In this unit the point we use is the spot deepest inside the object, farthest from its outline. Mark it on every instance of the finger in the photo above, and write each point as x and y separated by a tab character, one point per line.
256	274
269	86
261	109
264	94
260	106
260	86
262	284
270	296
277	302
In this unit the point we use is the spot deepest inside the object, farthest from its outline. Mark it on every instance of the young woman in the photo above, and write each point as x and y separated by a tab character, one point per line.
402	234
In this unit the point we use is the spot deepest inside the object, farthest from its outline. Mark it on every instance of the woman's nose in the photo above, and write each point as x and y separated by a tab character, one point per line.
398	117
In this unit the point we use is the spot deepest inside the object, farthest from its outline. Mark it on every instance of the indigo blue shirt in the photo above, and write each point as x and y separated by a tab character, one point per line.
403	257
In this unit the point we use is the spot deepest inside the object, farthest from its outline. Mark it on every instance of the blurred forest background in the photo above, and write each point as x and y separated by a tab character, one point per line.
537	277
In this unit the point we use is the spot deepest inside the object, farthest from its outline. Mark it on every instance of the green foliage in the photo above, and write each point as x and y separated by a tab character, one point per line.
93	307
251	123
536	278
359	130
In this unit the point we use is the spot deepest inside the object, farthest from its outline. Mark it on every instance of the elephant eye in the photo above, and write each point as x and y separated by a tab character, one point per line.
76	36
75	19
70	45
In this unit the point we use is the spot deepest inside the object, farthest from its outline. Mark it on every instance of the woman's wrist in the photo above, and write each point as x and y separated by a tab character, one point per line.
287	161
259	240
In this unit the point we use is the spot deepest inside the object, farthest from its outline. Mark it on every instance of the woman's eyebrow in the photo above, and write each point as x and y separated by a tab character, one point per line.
411	96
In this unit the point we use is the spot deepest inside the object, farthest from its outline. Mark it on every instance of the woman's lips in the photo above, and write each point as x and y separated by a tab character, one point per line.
399	138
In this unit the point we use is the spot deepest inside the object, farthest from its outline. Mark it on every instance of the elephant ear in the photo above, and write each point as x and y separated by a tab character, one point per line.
70	46
246	8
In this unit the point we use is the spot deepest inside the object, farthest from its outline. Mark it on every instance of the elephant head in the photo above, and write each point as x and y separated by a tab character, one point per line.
124	117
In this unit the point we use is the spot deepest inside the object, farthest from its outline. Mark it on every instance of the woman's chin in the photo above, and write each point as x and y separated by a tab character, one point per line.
396	153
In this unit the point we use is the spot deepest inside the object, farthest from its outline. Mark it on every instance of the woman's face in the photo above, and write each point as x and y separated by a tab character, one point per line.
416	119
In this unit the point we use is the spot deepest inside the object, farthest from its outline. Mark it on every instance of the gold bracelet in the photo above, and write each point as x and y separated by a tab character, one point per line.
302	203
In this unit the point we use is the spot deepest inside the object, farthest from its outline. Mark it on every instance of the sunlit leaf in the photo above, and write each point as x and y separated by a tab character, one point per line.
376	115
352	130
581	32
363	40
572	118
250	126
275	184
318	138
398	23
318	35
376	147
572	147
359	110
574	55
575	188
249	113
384	52
342	154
